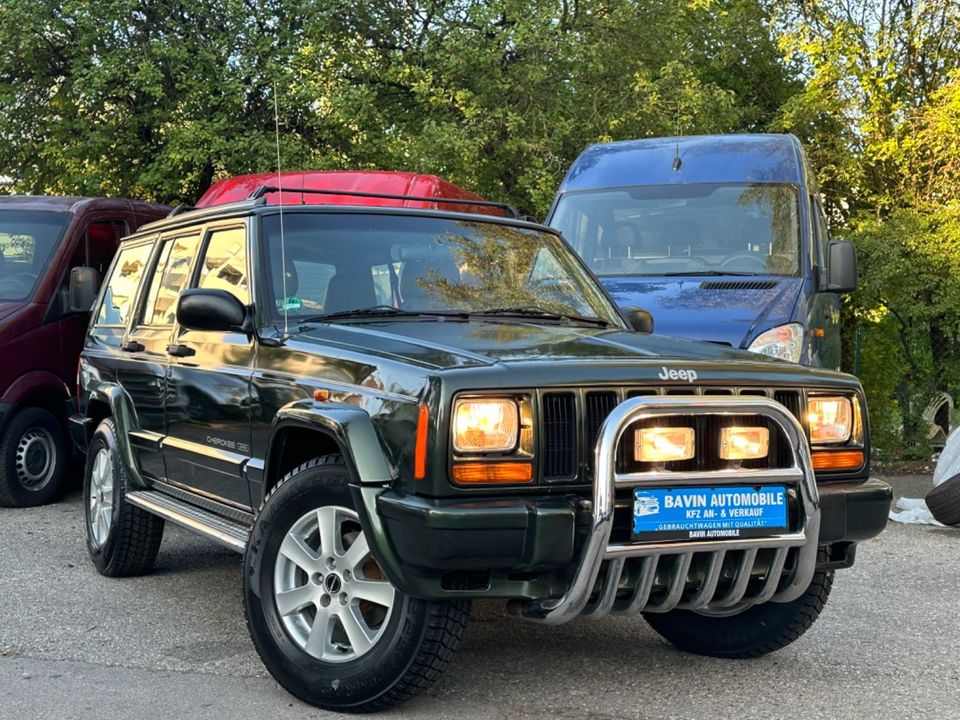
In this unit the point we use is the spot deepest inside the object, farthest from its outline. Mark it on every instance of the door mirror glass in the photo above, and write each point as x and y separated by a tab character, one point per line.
211	311
640	320
841	267
84	283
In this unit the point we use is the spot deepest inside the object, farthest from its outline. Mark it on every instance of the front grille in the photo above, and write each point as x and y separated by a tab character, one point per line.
562	447
559	436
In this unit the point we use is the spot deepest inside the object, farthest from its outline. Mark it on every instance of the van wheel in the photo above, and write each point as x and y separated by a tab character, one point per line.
328	625
34	454
122	540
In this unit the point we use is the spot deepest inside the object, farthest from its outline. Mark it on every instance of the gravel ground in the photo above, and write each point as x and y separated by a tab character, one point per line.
173	644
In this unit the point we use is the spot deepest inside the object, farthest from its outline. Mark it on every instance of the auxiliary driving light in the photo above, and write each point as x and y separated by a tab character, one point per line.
663	444
744	443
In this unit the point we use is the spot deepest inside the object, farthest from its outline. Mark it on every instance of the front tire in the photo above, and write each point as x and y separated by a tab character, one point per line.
122	540
326	622
34	455
754	632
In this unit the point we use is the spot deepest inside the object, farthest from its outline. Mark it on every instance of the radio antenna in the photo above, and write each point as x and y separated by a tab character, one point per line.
283	245
677	161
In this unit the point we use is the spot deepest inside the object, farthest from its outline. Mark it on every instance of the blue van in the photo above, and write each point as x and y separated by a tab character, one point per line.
722	238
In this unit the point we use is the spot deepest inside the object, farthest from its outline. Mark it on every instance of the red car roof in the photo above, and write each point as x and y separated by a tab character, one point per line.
373	181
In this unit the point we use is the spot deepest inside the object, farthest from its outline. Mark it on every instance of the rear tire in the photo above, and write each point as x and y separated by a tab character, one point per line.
944	501
757	631
405	644
122	540
34	455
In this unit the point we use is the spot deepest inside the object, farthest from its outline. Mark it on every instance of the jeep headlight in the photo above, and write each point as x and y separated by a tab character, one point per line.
830	419
485	425
784	342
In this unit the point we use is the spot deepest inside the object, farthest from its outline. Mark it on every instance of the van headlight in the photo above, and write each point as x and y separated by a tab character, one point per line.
784	342
830	419
485	425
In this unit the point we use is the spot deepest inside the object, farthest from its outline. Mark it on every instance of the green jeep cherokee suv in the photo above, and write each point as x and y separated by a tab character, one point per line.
392	411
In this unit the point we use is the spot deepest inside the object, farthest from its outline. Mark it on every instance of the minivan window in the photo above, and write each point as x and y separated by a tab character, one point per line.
27	241
224	264
708	228
170	276
342	262
122	286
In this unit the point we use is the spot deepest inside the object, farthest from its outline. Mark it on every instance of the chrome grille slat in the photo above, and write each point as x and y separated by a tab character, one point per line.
773	576
641	594
740	582
608	593
678	584
708	586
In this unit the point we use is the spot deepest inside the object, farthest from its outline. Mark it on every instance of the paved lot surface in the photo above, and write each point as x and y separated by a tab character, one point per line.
173	645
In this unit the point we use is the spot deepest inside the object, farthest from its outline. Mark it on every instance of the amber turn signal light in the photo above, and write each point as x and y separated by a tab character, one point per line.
837	460
480	473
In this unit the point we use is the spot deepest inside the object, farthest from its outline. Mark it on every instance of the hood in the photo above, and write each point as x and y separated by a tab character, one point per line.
528	354
8	307
731	310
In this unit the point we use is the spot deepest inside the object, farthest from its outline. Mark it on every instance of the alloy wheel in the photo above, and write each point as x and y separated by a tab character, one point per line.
332	597
101	497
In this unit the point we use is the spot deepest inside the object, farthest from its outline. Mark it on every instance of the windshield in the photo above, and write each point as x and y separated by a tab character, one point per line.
684	229
27	239
336	263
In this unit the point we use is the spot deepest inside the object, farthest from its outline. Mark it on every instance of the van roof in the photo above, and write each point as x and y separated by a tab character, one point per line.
703	159
383	182
75	203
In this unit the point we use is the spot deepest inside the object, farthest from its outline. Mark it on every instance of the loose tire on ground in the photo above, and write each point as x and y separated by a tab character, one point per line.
34	456
122	540
944	501
757	631
414	640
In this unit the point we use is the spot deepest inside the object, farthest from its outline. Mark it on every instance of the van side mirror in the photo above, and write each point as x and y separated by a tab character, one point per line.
210	311
841	267
640	320
82	293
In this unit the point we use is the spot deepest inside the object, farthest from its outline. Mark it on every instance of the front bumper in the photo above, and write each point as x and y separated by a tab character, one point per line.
431	539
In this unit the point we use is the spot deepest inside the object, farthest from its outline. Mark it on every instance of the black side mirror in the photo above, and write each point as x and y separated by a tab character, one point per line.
211	311
640	320
841	267
84	283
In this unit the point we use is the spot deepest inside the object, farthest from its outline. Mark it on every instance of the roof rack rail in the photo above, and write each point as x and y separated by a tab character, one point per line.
510	211
180	209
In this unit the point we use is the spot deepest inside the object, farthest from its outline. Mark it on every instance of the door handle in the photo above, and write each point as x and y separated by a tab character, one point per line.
132	346
180	350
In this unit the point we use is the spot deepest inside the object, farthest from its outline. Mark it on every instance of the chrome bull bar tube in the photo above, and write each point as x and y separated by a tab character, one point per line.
679	555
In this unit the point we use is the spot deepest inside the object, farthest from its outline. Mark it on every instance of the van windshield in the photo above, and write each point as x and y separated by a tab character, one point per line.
694	229
27	240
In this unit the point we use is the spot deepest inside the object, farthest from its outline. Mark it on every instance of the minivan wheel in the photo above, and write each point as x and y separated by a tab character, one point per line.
34	454
328	625
122	540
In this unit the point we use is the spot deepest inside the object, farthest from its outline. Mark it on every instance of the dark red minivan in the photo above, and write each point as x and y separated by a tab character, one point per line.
53	252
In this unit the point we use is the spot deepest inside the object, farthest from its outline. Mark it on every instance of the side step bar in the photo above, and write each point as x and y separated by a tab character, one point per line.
231	534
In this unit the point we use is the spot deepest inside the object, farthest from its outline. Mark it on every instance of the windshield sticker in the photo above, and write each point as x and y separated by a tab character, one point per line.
291	304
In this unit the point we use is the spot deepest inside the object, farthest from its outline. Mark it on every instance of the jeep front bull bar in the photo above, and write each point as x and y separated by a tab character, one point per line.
674	558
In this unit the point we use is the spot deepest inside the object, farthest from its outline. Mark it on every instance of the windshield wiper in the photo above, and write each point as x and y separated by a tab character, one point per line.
379	311
535	312
710	273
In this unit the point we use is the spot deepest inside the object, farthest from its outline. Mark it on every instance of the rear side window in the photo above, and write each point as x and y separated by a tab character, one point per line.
122	286
170	276
224	264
